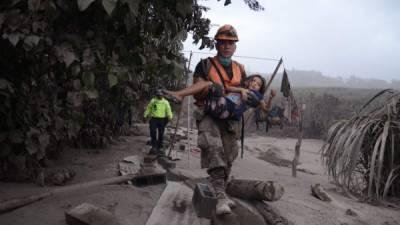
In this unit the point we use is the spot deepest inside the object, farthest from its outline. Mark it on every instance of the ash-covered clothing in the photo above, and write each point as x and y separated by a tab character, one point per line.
230	106
202	68
159	111
217	138
157	126
158	108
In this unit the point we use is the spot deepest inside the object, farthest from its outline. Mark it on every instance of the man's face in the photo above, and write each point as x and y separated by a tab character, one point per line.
226	48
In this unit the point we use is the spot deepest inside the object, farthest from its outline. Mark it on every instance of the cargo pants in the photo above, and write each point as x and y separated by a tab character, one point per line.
217	140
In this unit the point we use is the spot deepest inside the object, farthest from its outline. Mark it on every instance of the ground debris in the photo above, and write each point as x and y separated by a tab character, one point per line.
88	214
350	212
318	191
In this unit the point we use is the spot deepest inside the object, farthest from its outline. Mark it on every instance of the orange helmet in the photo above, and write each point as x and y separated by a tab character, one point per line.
226	32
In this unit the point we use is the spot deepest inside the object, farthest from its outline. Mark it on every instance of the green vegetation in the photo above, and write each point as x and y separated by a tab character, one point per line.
73	71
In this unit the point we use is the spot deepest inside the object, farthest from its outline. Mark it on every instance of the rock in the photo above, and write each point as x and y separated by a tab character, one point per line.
59	178
88	214
350	212
318	191
204	200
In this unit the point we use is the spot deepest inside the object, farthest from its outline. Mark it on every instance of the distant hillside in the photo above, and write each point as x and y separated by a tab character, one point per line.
301	78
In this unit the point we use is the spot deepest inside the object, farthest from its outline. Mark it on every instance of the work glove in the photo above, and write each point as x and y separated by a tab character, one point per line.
252	100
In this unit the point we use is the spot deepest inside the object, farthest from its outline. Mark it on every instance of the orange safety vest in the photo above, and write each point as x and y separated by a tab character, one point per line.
237	70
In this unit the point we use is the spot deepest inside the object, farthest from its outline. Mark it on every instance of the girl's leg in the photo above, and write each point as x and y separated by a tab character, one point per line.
190	90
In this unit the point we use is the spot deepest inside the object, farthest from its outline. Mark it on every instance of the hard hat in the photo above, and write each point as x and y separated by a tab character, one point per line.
226	33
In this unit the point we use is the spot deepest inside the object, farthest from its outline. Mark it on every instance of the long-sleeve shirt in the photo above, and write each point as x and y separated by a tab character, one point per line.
158	108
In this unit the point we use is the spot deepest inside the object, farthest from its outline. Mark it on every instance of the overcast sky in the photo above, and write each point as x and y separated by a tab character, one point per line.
336	37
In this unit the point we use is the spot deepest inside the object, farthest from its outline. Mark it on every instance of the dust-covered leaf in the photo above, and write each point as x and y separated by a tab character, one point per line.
165	60
109	6
142	59
112	80
88	79
69	58
88	58
92	93
83	4
31	41
13	38
65	54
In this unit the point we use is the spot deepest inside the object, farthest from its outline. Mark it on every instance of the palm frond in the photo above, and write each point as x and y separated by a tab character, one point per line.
362	154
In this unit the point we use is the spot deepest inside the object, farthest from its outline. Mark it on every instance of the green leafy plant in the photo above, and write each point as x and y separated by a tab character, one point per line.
74	71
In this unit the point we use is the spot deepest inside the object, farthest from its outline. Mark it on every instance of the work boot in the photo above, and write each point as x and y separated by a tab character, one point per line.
222	207
217	179
231	203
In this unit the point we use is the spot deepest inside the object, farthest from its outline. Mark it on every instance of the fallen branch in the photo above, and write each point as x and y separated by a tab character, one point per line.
11	204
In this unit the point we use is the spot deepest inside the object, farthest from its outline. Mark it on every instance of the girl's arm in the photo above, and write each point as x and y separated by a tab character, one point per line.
242	91
266	105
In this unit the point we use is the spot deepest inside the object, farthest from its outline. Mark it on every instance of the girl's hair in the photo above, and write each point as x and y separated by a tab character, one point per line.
262	88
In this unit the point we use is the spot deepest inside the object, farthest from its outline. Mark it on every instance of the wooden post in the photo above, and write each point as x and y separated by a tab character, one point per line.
295	160
172	142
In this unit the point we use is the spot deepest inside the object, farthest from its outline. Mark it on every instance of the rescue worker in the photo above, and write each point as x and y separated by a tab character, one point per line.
159	111
217	139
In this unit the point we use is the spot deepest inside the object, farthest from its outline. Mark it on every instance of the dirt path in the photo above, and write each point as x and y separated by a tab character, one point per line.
130	204
265	158
297	204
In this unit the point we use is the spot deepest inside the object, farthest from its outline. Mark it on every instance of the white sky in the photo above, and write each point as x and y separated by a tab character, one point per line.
335	37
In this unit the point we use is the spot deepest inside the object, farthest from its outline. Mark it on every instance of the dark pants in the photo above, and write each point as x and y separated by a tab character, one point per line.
157	124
